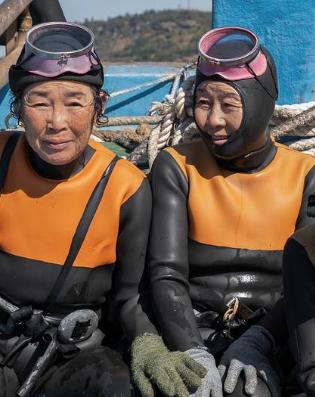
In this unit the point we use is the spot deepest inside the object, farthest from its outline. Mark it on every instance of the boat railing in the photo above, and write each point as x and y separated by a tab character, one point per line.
15	21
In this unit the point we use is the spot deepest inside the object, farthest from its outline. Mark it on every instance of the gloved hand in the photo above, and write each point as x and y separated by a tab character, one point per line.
211	384
172	372
249	354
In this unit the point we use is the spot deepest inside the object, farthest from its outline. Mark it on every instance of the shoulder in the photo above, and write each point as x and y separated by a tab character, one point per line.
187	151
294	155
4	136
126	177
123	167
305	237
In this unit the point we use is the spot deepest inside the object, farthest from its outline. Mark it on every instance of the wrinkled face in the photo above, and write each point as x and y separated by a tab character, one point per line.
58	117
218	112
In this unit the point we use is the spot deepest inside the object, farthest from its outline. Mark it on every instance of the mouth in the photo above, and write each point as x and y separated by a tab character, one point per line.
220	139
56	144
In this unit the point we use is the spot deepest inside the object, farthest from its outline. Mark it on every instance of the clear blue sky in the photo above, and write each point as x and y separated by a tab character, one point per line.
78	10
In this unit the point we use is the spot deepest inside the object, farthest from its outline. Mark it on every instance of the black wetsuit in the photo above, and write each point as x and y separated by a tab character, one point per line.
41	206
218	233
299	294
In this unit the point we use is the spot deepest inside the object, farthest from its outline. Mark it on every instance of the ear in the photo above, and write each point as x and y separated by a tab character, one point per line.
103	95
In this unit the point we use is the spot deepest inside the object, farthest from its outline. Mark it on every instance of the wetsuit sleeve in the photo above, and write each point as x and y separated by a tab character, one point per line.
129	283
307	210
168	256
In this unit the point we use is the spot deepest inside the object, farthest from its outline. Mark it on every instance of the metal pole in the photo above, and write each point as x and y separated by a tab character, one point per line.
11	58
9	11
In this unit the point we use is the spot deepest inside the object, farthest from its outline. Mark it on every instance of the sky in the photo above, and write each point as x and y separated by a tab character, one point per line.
78	10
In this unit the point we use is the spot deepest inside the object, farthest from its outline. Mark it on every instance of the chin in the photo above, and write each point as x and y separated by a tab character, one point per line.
232	149
58	160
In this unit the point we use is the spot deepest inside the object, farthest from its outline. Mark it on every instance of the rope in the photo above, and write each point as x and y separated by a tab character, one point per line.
183	101
127	120
164	79
295	120
161	134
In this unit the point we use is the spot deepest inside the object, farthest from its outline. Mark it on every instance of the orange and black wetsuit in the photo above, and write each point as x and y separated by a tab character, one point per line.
218	233
39	216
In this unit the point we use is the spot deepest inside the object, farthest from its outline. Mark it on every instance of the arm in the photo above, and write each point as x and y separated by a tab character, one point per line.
128	299
151	362
168	256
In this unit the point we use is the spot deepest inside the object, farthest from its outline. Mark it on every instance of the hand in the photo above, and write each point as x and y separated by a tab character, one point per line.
249	354
172	372
211	384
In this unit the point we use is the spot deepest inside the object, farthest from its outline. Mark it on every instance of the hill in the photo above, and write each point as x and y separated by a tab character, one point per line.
153	36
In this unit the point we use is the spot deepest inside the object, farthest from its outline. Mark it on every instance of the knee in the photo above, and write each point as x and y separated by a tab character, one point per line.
92	373
309	383
262	390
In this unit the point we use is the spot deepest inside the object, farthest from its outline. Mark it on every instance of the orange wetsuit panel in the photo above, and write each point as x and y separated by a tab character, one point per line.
228	209
39	216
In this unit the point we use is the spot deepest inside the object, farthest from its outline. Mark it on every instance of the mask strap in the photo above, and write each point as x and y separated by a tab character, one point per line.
272	74
261	84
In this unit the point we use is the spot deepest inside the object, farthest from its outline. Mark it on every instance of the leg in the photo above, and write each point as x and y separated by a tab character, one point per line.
98	372
9	383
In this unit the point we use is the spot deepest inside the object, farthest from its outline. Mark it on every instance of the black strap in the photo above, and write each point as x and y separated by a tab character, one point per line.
6	156
80	233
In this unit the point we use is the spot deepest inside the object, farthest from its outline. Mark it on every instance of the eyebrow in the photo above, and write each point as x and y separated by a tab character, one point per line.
230	95
44	94
222	94
72	94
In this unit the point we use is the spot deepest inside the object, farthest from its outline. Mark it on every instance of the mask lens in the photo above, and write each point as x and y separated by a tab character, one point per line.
51	39
55	48
228	46
228	51
235	45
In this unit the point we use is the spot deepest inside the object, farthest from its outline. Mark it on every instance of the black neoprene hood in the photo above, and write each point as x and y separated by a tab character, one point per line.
258	96
19	78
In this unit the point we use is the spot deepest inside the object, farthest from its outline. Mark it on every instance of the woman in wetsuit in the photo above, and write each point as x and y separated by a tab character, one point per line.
223	208
74	229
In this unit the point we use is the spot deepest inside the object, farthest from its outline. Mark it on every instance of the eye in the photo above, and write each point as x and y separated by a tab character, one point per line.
75	104
231	105
39	105
203	103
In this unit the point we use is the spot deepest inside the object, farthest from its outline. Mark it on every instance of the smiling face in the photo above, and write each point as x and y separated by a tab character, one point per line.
218	112
58	117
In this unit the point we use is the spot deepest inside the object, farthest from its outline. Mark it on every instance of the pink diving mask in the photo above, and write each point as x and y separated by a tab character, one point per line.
234	53
54	48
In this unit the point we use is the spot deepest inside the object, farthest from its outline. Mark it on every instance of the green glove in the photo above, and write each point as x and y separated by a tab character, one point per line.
172	372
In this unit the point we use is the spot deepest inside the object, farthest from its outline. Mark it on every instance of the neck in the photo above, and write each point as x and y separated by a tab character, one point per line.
251	162
65	171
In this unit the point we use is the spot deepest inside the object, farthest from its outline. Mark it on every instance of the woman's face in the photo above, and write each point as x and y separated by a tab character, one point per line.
58	117
218	111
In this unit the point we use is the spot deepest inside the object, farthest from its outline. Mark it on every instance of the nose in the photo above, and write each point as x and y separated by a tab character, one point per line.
216	117
57	119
